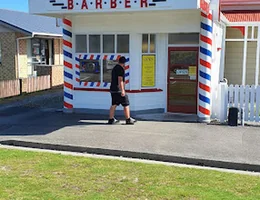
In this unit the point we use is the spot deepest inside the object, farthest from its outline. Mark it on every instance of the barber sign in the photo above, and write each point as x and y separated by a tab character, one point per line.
106	5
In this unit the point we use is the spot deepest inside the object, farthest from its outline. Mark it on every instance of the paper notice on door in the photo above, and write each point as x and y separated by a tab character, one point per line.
193	72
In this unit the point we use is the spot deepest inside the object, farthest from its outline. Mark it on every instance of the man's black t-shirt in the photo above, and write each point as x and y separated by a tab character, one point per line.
116	72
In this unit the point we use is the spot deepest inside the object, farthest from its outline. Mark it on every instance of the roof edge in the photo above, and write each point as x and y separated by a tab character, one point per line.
16	28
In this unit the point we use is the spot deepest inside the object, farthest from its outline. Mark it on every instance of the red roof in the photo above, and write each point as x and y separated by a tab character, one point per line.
231	5
243	16
239	2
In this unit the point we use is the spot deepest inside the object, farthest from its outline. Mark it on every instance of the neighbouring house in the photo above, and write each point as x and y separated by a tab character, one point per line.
30	45
242	43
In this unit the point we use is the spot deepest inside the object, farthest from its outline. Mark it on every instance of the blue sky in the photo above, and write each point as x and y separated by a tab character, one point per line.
21	5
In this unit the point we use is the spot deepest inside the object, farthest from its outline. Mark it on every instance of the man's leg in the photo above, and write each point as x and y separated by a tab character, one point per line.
125	103
127	112
112	112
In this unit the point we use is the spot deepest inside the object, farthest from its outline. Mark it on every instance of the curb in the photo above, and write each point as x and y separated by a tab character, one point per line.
138	155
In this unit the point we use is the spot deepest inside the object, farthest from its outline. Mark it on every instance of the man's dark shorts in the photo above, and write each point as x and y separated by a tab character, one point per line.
117	99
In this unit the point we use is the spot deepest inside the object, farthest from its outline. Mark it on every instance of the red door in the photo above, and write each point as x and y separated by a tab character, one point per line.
183	80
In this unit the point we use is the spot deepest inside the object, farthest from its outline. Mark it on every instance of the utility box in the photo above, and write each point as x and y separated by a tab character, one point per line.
233	116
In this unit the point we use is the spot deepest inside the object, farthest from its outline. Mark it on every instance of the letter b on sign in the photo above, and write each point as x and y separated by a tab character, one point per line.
70	4
113	3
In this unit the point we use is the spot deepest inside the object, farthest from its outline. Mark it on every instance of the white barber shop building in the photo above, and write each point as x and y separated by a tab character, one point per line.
174	51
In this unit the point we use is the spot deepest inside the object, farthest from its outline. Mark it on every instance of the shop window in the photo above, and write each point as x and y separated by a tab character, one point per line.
108	65
90	70
235	32
122	43
145	43
81	43
183	38
42	51
148	44
148	60
100	45
108	43
94	44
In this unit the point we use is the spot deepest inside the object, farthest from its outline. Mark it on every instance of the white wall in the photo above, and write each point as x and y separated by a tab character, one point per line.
156	22
160	23
216	61
102	100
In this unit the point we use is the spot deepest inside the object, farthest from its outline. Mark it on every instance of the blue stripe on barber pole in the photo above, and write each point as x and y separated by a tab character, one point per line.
112	57
206	76
67	54
67	33
206	27
205	51
204	99
69	96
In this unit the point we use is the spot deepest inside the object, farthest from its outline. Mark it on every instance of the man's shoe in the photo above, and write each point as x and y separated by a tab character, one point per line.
134	120
130	121
113	121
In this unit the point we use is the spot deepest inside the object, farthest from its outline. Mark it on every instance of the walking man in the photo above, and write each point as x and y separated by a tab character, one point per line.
117	90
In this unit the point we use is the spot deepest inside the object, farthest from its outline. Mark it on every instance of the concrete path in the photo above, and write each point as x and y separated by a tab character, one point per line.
193	143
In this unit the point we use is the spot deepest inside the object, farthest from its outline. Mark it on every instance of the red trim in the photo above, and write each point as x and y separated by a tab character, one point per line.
206	39
77	66
67	22
118	57
67	105
66	64
105	57
204	87
204	111
209	16
91	57
68	85
128	91
205	63
241	28
66	43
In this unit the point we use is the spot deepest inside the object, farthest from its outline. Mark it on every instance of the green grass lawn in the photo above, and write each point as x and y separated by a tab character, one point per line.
32	175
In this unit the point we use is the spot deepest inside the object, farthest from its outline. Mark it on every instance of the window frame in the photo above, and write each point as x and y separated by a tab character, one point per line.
102	50
152	54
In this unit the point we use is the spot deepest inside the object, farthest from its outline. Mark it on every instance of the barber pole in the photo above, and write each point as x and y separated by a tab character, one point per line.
205	63
68	64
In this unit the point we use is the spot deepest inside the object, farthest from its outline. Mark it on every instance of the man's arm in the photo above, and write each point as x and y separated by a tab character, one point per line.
121	85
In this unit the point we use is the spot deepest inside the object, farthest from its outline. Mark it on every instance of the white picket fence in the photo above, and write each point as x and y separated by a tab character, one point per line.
247	97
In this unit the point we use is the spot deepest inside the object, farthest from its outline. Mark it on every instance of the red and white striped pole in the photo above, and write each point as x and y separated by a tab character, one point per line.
205	63
68	65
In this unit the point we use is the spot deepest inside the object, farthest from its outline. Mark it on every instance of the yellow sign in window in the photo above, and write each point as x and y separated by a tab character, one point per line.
148	70
193	72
